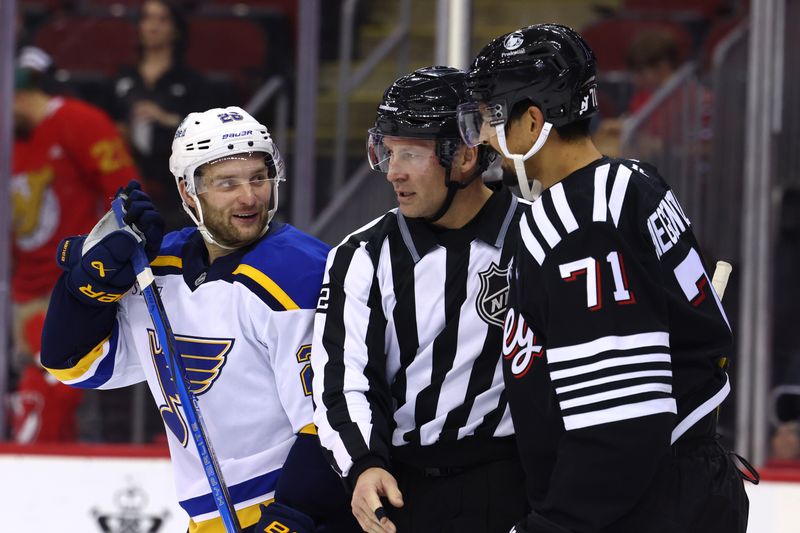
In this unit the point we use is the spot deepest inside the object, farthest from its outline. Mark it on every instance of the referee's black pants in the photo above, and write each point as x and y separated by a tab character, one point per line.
486	498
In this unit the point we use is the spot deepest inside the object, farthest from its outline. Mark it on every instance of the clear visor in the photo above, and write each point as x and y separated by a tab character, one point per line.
402	154
231	173
477	121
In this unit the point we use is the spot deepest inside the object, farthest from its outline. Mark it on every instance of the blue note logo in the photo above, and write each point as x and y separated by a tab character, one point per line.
203	359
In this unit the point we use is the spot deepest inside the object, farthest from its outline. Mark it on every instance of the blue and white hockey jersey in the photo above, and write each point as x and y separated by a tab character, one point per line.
243	327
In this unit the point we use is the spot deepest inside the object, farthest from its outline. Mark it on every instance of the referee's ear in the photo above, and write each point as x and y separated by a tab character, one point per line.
466	160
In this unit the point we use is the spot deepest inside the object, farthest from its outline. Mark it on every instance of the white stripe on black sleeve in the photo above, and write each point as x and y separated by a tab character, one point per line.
613	378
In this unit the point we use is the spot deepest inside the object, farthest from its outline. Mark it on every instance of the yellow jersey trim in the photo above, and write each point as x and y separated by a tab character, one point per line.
269	285
69	374
167	261
248	516
308	429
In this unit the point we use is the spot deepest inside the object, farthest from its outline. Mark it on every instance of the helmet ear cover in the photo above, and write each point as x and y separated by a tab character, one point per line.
446	151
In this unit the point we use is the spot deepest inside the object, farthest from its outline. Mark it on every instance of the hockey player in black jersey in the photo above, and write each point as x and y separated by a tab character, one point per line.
615	341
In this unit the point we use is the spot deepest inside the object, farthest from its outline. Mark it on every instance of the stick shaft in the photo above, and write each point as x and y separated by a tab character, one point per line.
194	418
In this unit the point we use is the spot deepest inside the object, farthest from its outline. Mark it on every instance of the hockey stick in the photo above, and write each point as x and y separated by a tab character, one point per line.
188	400
720	279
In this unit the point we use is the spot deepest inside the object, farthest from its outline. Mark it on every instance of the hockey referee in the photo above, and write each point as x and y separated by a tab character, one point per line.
408	383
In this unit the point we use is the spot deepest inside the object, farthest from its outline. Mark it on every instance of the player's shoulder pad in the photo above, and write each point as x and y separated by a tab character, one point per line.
646	181
170	257
285	269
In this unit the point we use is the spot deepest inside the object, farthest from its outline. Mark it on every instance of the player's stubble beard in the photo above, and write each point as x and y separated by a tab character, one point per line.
219	223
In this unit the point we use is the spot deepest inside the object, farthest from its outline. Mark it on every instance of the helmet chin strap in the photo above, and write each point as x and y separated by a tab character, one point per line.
452	188
529	192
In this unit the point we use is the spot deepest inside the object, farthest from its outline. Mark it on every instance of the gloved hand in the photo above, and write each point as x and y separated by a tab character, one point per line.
141	214
279	518
98	265
104	273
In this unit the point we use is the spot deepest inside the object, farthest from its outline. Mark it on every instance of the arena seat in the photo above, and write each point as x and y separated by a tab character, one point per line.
611	38
240	56
87	45
679	10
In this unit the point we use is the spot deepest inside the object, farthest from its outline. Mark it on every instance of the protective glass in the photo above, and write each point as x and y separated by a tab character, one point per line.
256	178
404	154
477	121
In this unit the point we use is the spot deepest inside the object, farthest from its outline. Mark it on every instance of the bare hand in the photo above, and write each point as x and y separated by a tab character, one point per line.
148	110
371	485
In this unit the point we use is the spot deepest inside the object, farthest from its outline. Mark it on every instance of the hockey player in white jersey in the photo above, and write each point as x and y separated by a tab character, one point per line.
240	292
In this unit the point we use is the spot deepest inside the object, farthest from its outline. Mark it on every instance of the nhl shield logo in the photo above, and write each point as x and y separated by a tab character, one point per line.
492	299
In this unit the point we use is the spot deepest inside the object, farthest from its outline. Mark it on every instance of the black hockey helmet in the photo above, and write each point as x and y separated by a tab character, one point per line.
423	105
549	64
420	105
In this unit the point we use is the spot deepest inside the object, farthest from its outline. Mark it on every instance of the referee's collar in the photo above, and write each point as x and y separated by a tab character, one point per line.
490	225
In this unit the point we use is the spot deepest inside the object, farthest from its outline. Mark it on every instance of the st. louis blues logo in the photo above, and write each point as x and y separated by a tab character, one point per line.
203	358
492	299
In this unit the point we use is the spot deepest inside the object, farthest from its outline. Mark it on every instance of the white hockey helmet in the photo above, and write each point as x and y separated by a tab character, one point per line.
216	134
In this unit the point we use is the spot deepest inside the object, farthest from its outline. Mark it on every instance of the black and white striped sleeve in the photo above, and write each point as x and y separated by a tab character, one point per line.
603	315
350	389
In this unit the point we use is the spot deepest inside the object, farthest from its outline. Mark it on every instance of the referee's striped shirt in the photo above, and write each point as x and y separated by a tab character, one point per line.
407	340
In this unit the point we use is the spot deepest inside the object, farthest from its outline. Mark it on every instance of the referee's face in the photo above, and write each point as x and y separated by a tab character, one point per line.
416	175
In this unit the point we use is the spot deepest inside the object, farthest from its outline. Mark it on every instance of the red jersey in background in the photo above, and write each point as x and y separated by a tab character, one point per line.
64	176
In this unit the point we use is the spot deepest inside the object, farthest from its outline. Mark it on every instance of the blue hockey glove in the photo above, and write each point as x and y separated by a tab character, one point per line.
278	518
103	273
141	214
98	265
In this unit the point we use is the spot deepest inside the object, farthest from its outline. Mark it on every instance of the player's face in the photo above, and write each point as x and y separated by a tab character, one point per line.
236	198
156	27
416	175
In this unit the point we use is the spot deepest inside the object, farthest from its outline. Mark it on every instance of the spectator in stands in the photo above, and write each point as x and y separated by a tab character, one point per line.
152	97
652	60
68	160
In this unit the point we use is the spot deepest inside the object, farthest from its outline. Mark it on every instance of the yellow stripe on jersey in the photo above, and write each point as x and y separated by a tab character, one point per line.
248	516
269	285
167	261
309	429
69	374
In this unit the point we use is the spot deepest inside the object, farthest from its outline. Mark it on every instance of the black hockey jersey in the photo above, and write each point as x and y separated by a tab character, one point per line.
612	342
